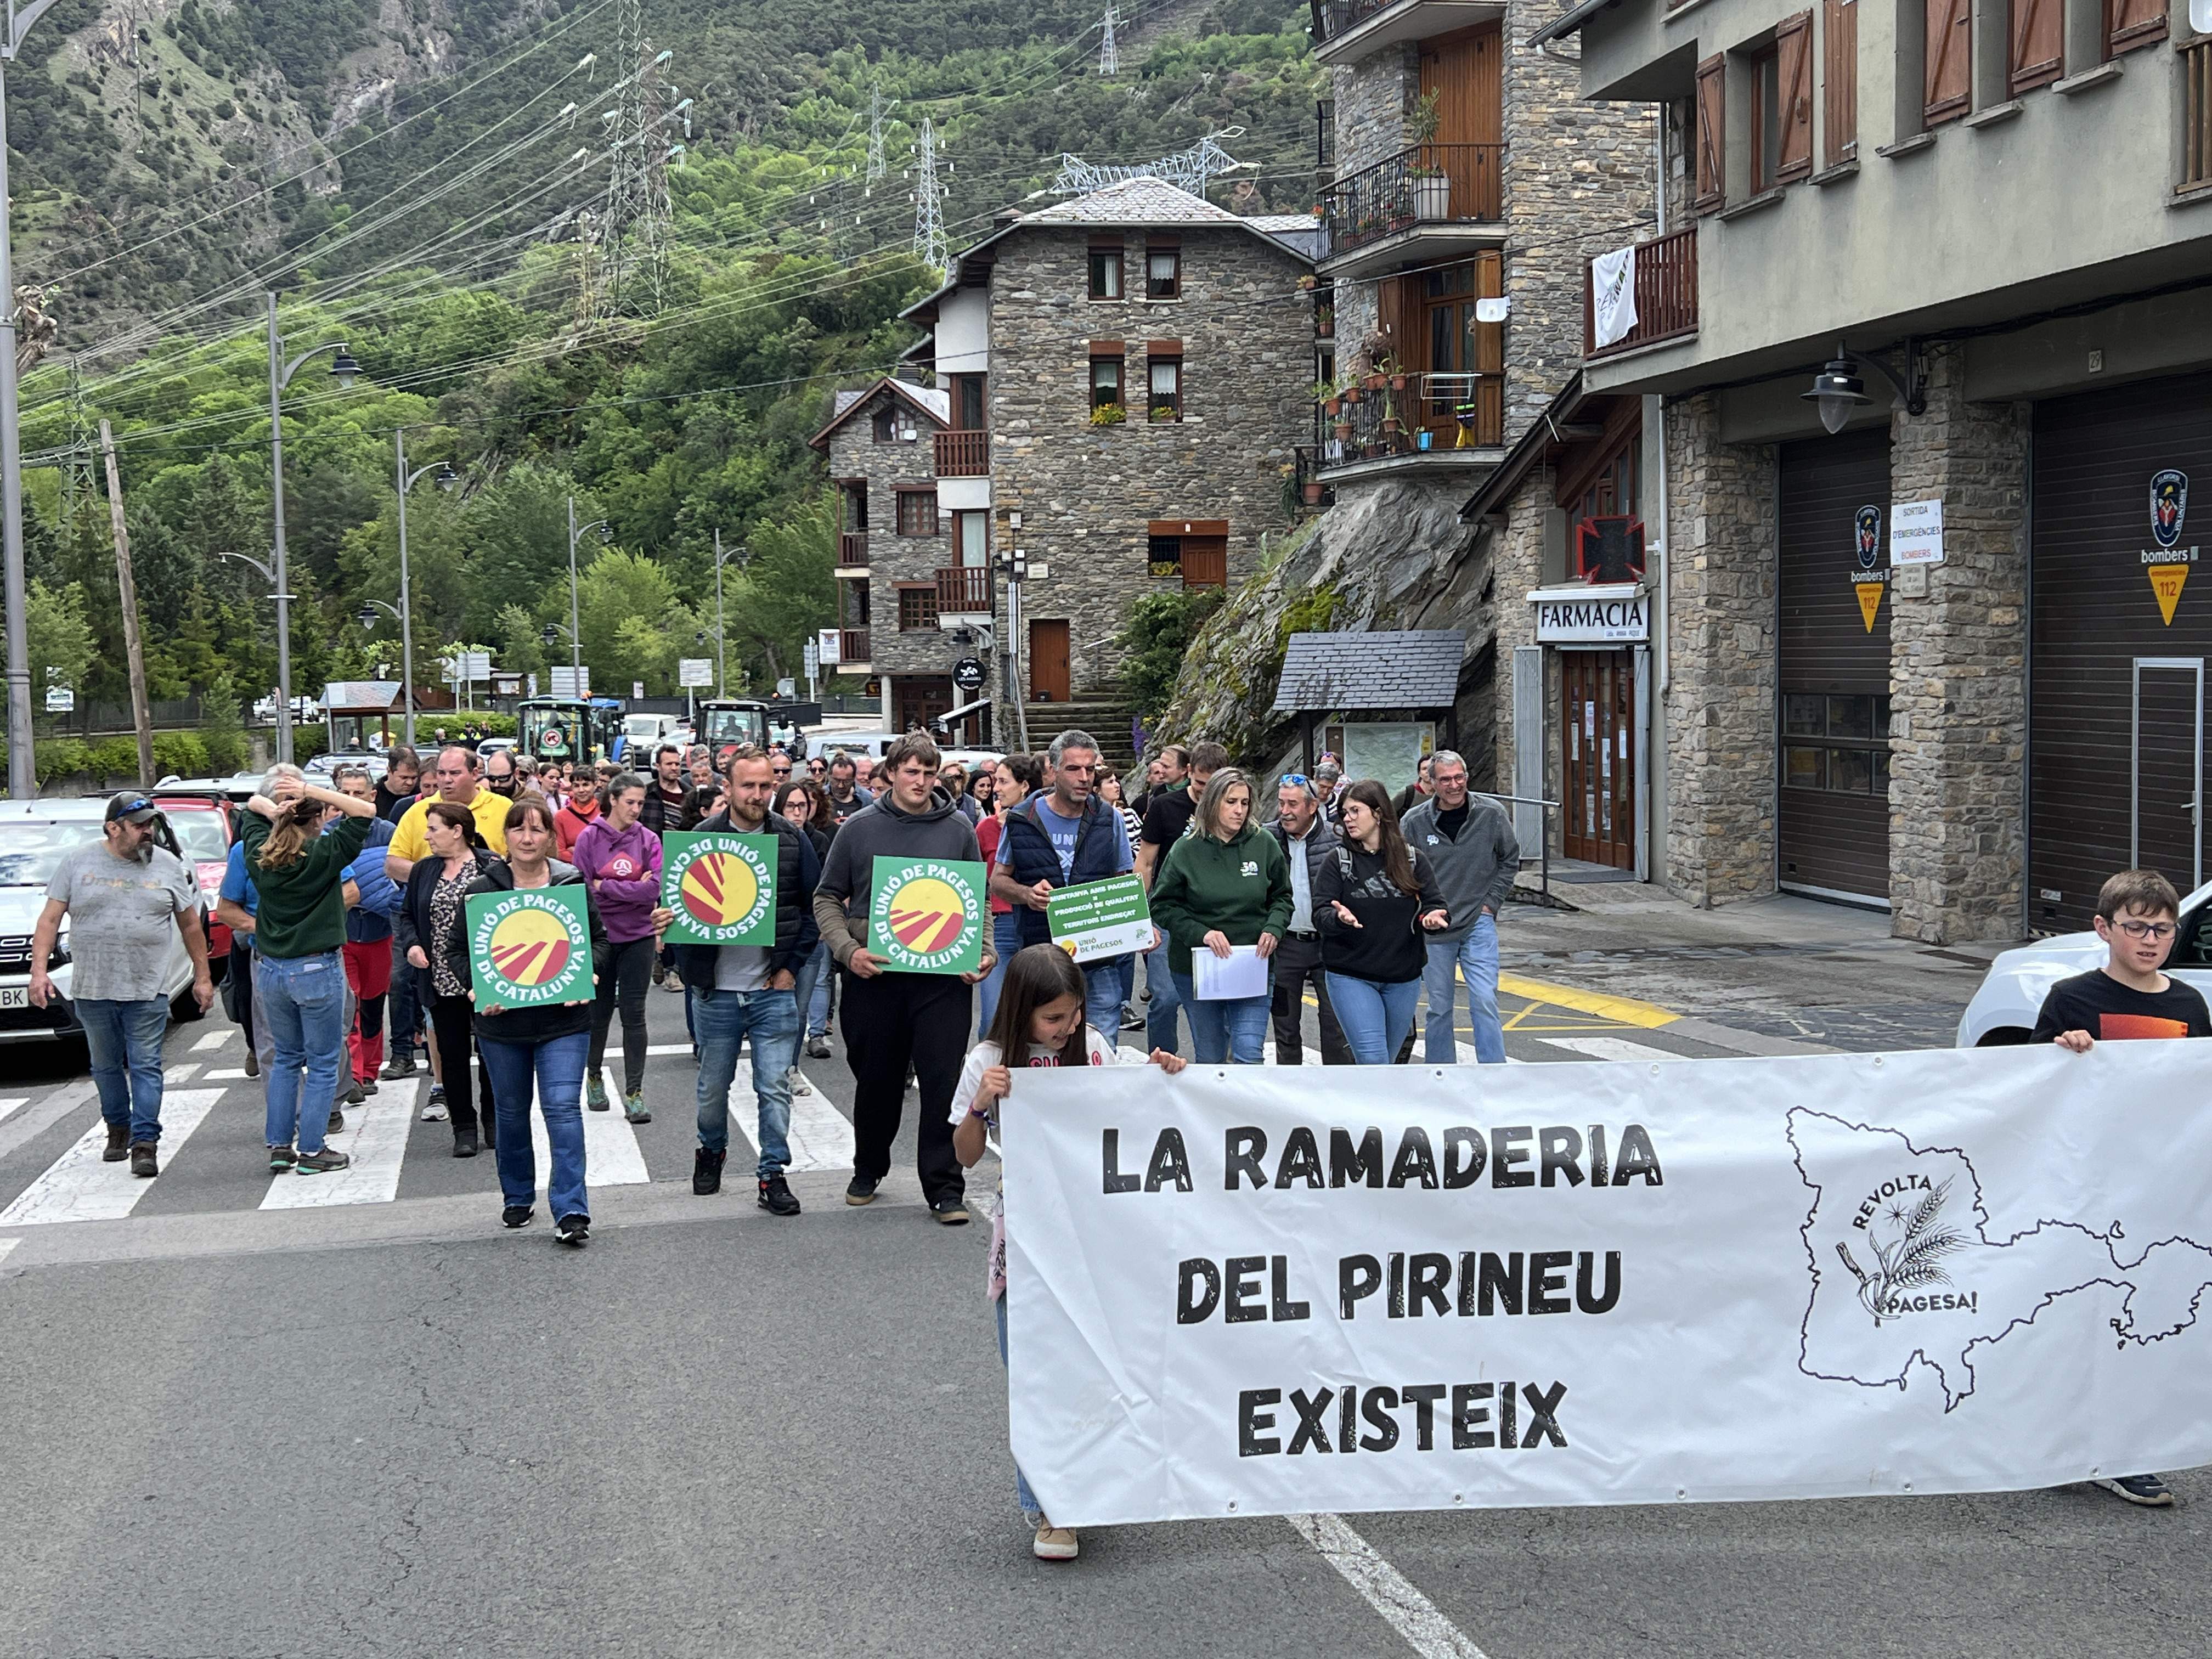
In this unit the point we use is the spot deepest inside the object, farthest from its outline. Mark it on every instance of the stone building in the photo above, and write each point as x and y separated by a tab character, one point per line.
1126	376
1922	350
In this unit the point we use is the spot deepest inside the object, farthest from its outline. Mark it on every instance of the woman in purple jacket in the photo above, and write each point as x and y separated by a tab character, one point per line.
620	861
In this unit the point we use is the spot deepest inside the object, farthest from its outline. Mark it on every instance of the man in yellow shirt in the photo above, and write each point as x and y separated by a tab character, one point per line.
459	783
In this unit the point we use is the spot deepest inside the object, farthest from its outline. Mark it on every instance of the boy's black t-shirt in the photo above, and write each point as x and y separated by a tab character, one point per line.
2110	1011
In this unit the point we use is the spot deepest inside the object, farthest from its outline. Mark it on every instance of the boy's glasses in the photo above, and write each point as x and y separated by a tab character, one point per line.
2147	929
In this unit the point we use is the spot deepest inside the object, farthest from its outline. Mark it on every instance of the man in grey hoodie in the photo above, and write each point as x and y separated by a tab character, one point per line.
1470	843
895	1022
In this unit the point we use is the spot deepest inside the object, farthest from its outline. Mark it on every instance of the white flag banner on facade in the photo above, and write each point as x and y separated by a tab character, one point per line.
1612	295
1236	1293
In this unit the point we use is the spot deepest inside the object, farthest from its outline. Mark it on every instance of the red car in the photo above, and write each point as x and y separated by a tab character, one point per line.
204	831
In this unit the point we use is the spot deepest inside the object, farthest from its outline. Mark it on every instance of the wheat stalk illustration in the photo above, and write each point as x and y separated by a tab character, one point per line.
1911	1260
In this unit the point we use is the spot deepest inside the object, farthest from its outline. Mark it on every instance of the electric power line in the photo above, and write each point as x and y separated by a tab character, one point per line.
930	243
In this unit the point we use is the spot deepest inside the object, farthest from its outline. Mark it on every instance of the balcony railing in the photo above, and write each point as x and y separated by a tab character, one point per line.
852	547
1333	17
963	454
1450	410
963	589
1665	287
2197	115
1427	185
852	645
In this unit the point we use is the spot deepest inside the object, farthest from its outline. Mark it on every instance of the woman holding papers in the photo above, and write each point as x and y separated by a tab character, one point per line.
1222	897
1372	902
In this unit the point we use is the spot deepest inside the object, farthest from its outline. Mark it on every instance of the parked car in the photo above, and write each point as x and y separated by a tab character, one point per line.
643	733
204	828
2010	997
326	764
306	711
34	834
493	746
869	743
237	788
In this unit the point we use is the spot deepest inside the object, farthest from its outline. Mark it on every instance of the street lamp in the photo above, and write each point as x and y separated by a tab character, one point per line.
743	556
284	676
345	371
1837	389
445	479
575	623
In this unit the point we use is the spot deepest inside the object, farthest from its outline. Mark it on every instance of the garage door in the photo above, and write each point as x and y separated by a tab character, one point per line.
1832	837
2121	632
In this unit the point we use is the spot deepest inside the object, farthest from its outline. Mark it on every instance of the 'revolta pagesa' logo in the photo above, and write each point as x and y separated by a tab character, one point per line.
2169	506
927	915
721	887
530	947
1903	1221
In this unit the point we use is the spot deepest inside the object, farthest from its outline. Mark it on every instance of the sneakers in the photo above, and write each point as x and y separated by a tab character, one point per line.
336	1123
634	1109
1053	1543
949	1212
354	1096
1131	1019
366	1084
800	1085
2147	1490
817	1046
775	1197
573	1231
118	1144
280	1160
400	1065
142	1161
515	1217
464	1143
673	982
321	1163
595	1093
252	1060
861	1189
706	1171
434	1109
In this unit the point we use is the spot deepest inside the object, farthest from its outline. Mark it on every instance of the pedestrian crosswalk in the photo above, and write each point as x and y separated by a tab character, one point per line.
1607	1047
79	1186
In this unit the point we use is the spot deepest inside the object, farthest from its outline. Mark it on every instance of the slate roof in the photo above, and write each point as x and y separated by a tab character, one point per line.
1414	669
1134	202
936	402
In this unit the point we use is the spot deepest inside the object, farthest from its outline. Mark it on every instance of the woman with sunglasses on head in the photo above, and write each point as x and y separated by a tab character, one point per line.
1374	902
428	926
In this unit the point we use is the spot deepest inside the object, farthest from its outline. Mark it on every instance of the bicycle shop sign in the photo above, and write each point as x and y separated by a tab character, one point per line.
1581	614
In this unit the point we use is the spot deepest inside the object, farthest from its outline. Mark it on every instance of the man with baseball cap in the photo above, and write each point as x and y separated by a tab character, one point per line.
122	894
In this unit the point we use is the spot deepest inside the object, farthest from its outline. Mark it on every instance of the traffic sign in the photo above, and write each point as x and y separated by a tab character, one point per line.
786	687
696	671
568	682
812	657
60	700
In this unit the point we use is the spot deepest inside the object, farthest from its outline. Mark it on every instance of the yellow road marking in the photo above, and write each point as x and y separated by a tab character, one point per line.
1626	1010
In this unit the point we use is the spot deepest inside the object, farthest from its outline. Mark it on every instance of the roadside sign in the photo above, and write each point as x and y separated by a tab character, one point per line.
568	682
967	674
812	657
828	647
786	687
636	689
696	671
60	700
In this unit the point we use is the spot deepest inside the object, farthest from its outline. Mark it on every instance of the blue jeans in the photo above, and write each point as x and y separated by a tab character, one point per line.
124	1042
556	1070
814	974
408	1014
1376	1015
1169	990
1005	940
1102	997
303	1001
1475	957
726	1019
1234	1032
1023	1495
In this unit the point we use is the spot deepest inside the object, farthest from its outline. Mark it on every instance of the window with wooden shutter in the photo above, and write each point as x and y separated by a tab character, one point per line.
1839	52
1949	58
1793	50
2038	43
1712	108
2132	23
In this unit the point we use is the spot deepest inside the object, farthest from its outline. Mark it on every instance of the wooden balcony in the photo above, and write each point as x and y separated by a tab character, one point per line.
2196	115
963	590
1426	185
1665	284
963	454
852	645
852	547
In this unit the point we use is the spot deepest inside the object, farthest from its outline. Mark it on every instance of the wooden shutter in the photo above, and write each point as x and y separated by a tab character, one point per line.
1950	57
1712	176
1839	43
2131	23
1793	53
1398	314
2039	43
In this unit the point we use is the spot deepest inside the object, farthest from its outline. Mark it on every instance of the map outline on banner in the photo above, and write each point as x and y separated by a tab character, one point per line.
912	938
562	965
719	870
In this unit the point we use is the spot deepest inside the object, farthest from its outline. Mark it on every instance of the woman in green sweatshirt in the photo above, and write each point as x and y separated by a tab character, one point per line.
1225	883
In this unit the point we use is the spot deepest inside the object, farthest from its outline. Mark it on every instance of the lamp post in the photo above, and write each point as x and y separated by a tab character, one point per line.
284	683
743	554
575	621
445	479
22	778
344	370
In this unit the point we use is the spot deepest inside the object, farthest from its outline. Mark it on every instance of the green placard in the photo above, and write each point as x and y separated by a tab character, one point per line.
1100	919
531	947
927	916
721	886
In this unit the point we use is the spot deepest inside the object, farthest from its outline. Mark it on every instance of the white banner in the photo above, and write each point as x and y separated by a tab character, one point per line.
1247	1291
1612	296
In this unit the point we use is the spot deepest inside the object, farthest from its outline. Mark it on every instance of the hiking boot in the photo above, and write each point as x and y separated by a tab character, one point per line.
861	1189
800	1085
399	1066
142	1161
464	1143
634	1109
337	1122
775	1197
1053	1543
595	1093
706	1171
252	1060
434	1109
817	1046
281	1159
2147	1490
321	1163
949	1212
118	1144
573	1231
354	1096
516	1215
366	1084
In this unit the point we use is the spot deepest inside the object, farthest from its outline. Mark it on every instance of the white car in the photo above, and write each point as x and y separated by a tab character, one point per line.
2005	1008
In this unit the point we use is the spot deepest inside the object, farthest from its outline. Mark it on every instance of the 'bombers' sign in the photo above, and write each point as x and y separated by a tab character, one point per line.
1232	1294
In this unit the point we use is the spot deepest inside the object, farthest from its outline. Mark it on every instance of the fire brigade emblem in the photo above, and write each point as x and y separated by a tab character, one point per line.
1866	537
2169	506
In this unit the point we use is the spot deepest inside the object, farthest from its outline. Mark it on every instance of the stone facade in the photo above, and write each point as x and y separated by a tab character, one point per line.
1087	494
892	558
1958	683
1517	563
1374	97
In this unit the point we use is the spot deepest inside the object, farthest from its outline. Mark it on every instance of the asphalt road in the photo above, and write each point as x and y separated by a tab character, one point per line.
389	1427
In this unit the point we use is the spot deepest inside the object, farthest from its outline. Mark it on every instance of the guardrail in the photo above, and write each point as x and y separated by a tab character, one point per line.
852	645
963	589
852	547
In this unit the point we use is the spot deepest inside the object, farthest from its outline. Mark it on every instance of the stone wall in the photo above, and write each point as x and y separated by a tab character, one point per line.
893	558
1958	684
1517	563
1087	494
1720	617
1374	97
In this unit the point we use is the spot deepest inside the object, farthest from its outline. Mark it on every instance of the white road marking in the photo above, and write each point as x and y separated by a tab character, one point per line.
173	1075
225	1073
78	1186
682	1048
375	1137
612	1156
1309	1055
1606	1047
6	1246
819	1136
1410	1613
215	1039
13	1104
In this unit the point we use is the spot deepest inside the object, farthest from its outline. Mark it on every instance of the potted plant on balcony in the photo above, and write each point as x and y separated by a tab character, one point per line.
1431	185
1108	415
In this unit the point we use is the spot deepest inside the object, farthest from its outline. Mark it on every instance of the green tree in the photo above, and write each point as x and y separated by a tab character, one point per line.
60	639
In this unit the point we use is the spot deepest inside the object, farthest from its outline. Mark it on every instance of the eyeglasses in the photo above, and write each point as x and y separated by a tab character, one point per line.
779	771
2147	929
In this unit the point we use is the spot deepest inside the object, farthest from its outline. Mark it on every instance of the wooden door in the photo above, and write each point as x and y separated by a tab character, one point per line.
1462	68
918	699
1598	748
1454	344
1049	674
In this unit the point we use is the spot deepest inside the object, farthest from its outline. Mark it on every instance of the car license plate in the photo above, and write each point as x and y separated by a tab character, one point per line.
15	996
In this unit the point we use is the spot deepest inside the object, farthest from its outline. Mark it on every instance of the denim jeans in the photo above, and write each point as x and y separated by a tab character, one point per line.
724	1019
556	1068
409	1013
1102	998
1376	1015
1475	957
1232	1031
813	989
124	1041
1023	1495
1005	940
1169	990
303	1001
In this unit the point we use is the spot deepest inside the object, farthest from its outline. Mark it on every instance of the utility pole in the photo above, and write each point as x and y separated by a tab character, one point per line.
929	238
722	637
1110	58
142	718
576	617
876	168
77	486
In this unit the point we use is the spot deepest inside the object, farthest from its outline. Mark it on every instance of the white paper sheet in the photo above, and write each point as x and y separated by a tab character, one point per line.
1223	979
